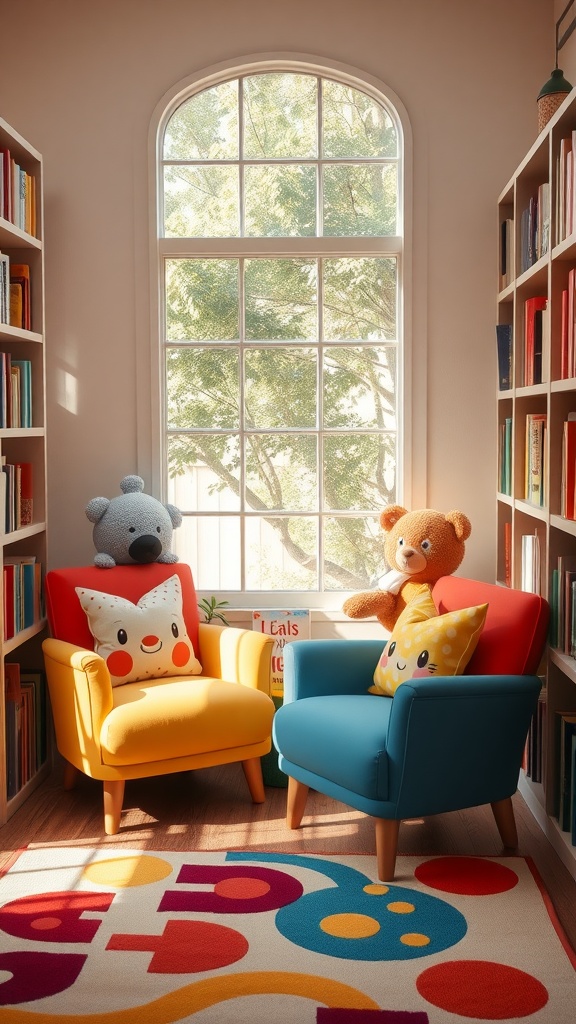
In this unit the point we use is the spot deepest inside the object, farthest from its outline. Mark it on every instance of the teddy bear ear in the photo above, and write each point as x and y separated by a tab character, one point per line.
390	515
461	524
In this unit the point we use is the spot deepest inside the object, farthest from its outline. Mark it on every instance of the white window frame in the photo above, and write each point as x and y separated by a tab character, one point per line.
151	410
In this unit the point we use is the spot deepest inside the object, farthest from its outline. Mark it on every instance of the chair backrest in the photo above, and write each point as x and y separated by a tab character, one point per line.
66	616
514	634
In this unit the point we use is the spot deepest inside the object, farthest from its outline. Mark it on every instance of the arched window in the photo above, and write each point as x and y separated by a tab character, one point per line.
282	295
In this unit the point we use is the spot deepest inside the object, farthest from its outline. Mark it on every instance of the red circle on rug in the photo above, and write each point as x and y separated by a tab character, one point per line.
241	888
469	876
482	990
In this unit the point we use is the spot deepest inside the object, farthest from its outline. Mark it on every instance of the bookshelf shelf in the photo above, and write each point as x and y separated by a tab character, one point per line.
537	258
24	731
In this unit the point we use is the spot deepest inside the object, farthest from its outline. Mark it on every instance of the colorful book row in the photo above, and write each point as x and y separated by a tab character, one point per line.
563	605
565	197
535	228
16	494
25	713
15	392
17	194
23	593
15	305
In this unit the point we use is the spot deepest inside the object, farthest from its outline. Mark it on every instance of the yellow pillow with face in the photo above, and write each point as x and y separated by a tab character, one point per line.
425	644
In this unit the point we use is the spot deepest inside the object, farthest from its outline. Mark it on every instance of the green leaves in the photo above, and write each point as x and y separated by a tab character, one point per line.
210	608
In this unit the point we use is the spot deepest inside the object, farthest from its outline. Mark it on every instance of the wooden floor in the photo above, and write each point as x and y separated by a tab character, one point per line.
210	809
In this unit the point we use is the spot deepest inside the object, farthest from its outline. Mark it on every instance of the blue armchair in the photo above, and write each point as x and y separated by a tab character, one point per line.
440	744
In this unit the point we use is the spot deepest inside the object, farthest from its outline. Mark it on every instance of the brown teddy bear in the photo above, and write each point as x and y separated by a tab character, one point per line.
420	547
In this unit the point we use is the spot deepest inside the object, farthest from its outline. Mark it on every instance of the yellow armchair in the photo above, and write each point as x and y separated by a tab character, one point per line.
159	725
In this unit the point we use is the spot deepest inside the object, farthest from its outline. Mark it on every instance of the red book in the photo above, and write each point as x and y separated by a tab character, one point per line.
564	337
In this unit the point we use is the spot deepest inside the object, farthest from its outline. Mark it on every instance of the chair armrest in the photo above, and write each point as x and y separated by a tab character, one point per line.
236	655
80	697
313	668
457	739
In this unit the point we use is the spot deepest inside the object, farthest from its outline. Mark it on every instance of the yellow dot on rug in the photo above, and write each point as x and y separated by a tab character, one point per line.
399	907
123	872
376	890
350	926
414	939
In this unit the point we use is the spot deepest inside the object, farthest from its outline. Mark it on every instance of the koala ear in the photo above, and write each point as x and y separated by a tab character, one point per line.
175	515
461	524
390	515
131	484
96	508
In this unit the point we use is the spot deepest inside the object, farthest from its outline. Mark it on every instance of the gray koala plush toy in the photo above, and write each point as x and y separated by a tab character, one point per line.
132	528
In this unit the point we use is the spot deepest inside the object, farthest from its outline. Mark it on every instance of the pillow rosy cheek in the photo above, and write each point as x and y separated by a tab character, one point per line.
181	654
119	663
420	673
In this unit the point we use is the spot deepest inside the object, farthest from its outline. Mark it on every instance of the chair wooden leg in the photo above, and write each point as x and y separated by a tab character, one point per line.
113	798
70	773
296	802
252	768
503	812
386	847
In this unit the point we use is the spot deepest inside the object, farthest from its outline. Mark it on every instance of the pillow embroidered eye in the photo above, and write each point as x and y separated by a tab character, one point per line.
140	641
425	644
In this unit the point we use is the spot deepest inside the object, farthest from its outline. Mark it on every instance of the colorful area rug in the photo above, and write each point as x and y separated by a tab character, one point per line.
93	936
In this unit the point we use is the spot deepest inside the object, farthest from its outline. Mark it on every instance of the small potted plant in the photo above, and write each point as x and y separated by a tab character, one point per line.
211	609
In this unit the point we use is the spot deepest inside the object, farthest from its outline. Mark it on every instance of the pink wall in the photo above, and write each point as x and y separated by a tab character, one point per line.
82	88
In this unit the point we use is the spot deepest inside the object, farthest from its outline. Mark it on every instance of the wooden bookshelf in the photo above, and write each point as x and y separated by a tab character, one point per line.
22	444
537	220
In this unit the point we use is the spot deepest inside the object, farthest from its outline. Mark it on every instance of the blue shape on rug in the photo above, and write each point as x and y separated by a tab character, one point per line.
358	919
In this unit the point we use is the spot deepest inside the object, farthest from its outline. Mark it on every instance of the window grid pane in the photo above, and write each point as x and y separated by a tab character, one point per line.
281	372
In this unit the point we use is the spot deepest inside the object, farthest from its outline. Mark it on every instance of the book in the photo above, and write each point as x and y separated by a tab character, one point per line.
504	349
26	493
285	625
24	598
533	312
506	252
569	580
508	553
564	335
37	680
4	289
553	632
565	779
24	371
573	807
16	304
568	468
536	427
8	572
13	714
530	563
20	274
566	565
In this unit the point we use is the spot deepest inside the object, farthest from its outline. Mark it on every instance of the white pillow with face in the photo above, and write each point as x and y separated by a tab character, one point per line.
141	641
